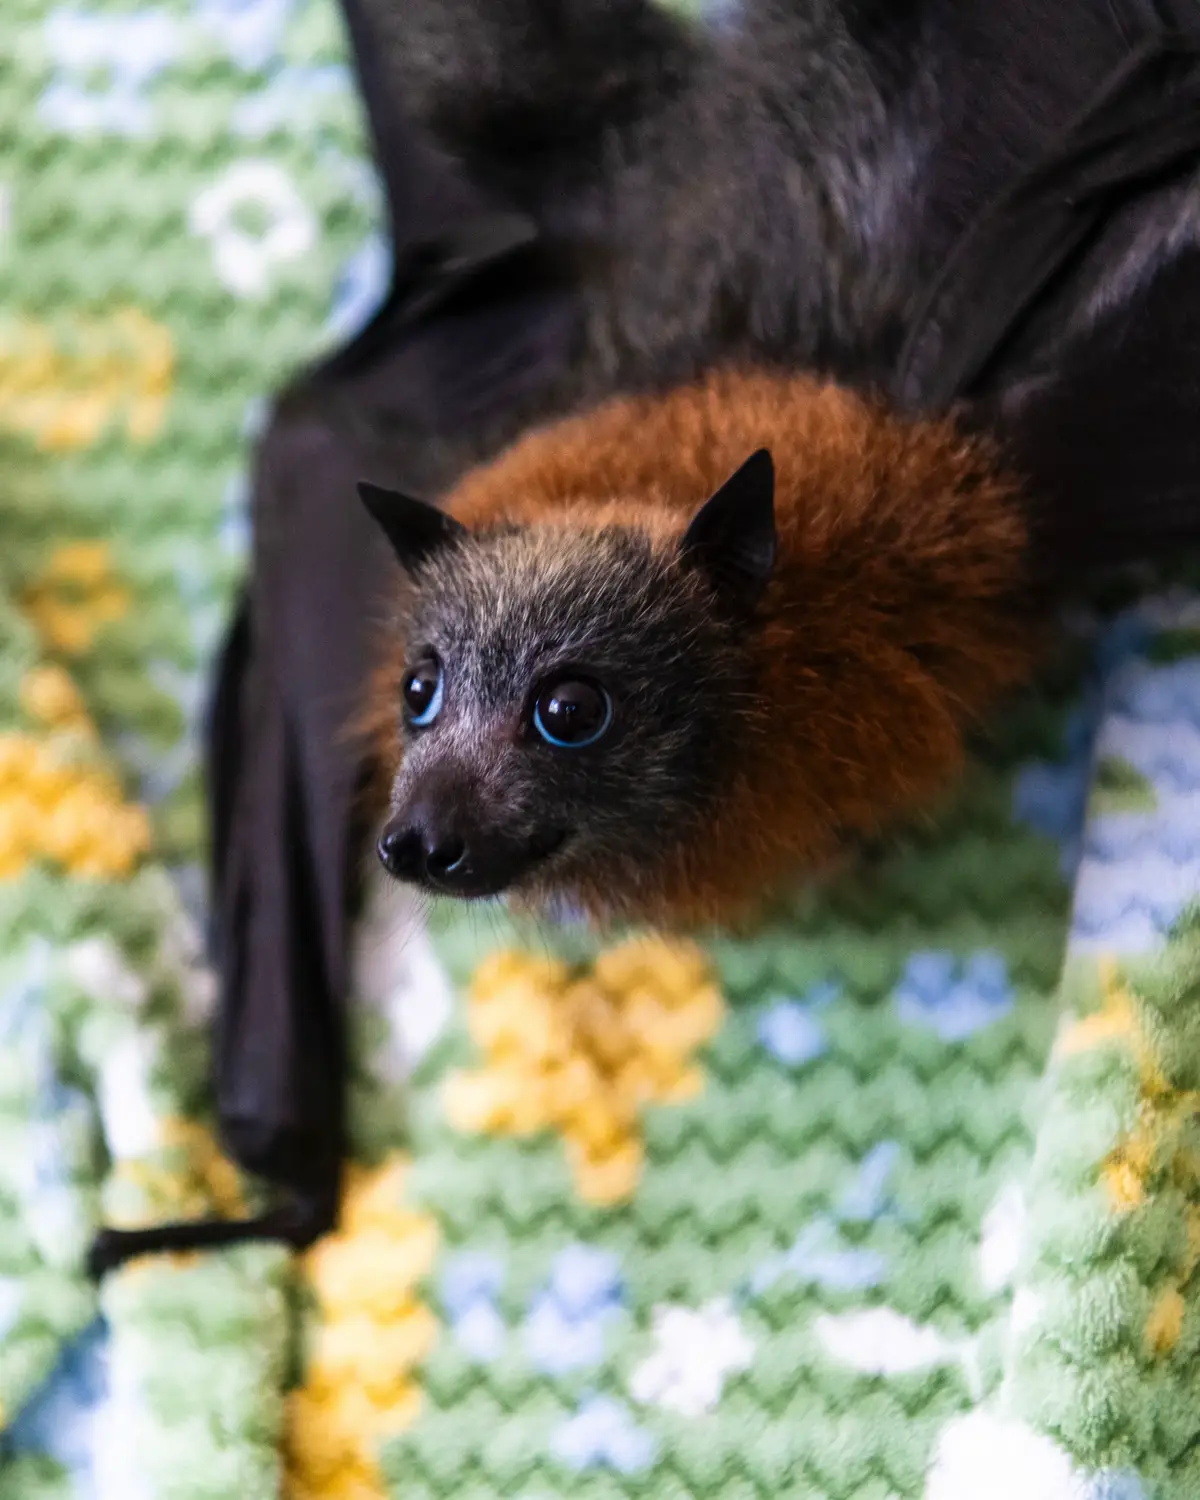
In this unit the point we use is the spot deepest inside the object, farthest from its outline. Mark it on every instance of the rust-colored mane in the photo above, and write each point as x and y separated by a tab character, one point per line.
893	622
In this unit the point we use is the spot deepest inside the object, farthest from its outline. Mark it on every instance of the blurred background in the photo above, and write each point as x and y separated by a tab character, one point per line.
187	213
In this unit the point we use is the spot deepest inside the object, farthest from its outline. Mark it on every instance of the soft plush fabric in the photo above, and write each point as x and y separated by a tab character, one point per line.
896	1199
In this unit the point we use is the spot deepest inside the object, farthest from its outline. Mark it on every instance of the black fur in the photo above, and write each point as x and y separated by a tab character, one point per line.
752	186
782	179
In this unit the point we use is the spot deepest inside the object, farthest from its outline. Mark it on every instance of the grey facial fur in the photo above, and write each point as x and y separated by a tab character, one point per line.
504	611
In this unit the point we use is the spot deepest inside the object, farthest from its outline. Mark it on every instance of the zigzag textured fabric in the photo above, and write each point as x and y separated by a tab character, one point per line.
898	1199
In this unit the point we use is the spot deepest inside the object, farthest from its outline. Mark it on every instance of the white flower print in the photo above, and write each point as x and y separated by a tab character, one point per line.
1000	1240
985	1456
131	1123
696	1350
96	965
247	260
250	31
880	1341
103	65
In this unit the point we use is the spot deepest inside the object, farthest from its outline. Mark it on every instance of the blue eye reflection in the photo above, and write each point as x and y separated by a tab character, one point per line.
572	713
422	692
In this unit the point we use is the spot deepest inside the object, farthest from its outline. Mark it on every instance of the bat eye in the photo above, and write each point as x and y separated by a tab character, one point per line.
422	692
572	713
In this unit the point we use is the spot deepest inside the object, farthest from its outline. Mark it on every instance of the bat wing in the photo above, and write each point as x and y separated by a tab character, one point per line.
1012	268
478	320
1109	440
286	776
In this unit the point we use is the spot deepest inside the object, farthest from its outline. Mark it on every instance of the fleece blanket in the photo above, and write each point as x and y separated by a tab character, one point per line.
899	1198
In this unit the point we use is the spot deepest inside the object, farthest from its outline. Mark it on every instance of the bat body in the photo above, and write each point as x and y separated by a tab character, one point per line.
985	204
658	659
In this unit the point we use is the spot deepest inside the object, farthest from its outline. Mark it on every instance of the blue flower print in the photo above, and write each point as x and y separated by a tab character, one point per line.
103	67
1051	796
233	529
821	1257
955	1000
1137	877
585	1280
1162	695
10	1304
603	1434
471	1276
1122	641
23	980
567	1320
360	288
290	101
1141	864
61	1418
1051	799
250	31
557	1343
470	1287
866	1197
481	1332
1114	1484
789	1028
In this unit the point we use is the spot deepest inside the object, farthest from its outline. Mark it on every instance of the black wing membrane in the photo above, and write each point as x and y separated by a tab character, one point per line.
1018	255
478	319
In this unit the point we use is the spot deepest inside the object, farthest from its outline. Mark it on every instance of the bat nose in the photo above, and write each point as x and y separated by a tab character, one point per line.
400	852
420	848
444	856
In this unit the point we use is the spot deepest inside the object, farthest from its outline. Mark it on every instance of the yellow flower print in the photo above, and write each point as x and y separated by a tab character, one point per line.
1159	1151
1155	1139
583	1053
65	385
49	695
373	1333
207	1168
74	596
56	806
188	1178
1165	1323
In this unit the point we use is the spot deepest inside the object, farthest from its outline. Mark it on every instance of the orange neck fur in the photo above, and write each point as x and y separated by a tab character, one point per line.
894	620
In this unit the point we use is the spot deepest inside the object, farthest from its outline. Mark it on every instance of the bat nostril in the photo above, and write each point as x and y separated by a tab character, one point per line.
445	857
400	851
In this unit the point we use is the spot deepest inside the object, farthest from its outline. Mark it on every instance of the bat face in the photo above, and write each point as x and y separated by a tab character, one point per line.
567	704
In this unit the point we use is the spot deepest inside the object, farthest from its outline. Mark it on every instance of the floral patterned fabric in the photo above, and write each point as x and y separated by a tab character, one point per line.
897	1199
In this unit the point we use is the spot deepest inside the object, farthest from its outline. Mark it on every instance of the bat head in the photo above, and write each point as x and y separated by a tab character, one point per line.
569	697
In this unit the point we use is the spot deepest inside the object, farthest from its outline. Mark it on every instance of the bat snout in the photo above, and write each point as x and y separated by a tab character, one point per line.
444	848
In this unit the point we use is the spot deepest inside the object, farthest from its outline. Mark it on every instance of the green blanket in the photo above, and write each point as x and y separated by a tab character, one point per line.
899	1199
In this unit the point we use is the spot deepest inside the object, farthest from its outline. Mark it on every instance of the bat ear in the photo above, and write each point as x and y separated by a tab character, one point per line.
414	528
732	536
